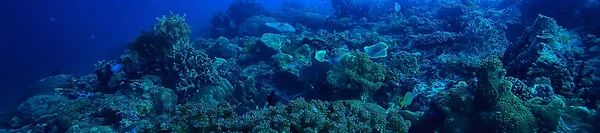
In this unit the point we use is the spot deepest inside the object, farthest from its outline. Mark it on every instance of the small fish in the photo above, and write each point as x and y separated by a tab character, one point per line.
272	99
397	7
116	68
408	98
52	19
93	38
337	58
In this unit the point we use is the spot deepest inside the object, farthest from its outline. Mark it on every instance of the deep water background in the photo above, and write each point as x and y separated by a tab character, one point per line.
40	36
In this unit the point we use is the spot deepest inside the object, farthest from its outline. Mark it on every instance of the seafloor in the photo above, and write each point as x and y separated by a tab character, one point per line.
419	66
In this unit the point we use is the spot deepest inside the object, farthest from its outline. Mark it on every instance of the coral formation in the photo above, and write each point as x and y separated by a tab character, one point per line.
448	66
358	72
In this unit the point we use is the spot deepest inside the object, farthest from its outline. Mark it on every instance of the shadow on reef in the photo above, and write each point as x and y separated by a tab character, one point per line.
381	66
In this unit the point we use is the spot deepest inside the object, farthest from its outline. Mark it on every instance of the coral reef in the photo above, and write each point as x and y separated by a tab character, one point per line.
414	66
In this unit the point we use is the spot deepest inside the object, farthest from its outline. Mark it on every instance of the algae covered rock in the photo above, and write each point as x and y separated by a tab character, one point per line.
281	27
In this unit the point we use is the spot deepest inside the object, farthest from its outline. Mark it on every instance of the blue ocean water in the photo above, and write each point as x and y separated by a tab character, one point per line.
300	66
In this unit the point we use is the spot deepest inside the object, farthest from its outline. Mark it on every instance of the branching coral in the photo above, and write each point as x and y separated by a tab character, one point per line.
173	27
358	72
297	116
193	68
484	38
167	34
167	53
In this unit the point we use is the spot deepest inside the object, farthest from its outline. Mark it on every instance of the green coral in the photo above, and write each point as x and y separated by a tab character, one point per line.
548	115
456	103
511	115
502	110
358	72
493	106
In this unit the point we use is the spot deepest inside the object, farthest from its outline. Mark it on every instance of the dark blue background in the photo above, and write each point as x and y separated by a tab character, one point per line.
33	45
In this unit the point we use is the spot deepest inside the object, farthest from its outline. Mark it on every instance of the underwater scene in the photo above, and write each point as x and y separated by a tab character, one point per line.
362	66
